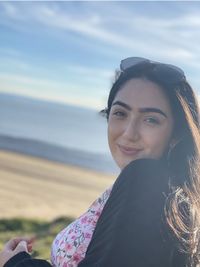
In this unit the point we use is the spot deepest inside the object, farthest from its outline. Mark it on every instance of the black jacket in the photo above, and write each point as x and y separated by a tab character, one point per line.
132	230
23	259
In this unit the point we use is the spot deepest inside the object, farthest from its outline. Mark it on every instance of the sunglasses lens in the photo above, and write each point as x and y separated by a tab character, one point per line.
131	62
169	73
164	72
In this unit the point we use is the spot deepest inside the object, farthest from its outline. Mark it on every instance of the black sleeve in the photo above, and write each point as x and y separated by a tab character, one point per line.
23	259
131	230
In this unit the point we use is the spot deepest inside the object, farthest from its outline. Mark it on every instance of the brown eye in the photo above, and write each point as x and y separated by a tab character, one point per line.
153	121
119	114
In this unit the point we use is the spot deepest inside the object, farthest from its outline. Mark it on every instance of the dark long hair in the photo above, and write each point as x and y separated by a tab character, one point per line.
182	207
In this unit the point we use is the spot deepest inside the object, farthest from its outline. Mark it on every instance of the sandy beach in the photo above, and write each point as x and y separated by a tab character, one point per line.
31	187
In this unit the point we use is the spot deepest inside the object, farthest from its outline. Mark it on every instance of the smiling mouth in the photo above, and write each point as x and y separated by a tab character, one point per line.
128	150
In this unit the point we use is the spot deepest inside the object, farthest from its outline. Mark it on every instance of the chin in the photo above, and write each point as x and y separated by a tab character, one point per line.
122	165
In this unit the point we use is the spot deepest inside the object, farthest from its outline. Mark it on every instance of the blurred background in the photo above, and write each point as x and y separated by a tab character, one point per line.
57	64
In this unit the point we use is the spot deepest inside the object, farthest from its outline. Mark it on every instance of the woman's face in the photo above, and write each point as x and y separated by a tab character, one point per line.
140	122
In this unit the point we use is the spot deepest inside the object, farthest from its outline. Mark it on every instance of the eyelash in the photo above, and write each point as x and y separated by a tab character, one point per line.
119	114
151	120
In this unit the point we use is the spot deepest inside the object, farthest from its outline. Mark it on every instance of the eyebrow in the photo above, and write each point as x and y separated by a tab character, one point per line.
142	110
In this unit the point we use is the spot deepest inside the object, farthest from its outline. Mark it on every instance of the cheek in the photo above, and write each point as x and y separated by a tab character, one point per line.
113	130
111	135
158	142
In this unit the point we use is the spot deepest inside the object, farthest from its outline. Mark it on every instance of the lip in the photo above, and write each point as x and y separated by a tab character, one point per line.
130	151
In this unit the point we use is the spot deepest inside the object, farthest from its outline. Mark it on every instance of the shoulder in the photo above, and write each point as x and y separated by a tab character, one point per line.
147	164
144	173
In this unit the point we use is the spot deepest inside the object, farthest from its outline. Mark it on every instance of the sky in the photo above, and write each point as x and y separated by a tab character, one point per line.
69	51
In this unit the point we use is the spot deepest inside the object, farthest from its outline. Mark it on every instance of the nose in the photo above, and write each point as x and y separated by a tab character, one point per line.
131	130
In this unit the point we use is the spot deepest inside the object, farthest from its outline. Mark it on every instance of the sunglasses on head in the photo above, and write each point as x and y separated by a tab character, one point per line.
167	72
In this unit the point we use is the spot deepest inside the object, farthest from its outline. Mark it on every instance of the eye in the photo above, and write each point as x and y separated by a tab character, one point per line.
119	114
152	120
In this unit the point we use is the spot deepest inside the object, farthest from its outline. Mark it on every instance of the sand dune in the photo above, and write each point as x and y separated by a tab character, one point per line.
33	187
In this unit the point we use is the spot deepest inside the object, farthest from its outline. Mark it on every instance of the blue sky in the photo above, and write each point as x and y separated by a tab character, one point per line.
68	51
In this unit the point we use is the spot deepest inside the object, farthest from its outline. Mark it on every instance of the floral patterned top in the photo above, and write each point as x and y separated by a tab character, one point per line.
70	245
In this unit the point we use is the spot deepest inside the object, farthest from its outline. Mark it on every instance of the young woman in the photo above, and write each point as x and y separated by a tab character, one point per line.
150	217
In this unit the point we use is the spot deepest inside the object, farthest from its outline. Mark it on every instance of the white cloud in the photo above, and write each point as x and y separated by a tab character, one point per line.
50	90
10	9
89	71
162	37
143	34
120	33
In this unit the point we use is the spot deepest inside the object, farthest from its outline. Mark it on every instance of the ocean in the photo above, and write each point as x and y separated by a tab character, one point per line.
55	131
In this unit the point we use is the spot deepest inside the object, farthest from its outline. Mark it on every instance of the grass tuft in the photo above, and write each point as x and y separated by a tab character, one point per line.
43	231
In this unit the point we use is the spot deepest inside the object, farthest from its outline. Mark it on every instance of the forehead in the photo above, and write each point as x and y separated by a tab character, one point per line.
138	93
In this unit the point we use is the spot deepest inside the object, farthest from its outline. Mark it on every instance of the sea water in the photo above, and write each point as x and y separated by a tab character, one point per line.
56	131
